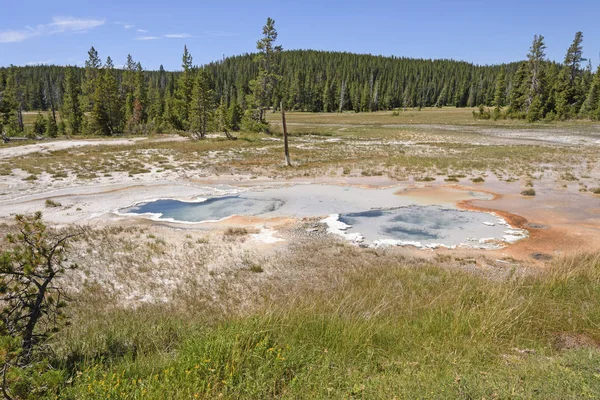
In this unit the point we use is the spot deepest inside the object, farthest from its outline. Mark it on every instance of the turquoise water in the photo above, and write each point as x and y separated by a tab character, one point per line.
423	224
212	209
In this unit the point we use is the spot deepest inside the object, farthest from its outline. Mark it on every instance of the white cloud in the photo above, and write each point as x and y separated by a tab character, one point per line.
14	36
177	35
142	30
64	24
39	62
146	38
221	33
124	24
58	25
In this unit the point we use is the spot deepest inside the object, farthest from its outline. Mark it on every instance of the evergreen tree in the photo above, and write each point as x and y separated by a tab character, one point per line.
268	70
71	108
179	104
536	59
128	86
51	128
92	72
139	93
574	56
569	94
223	120
518	95
235	116
39	126
107	114
202	106
591	105
500	90
141	90
12	100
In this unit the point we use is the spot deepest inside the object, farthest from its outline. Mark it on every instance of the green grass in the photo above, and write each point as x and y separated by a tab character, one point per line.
412	116
374	326
372	143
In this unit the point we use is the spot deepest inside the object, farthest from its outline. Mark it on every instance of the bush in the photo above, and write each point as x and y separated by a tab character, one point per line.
52	203
424	179
482	113
39	126
51	128
551	116
250	123
479	179
236	232
62	128
528	192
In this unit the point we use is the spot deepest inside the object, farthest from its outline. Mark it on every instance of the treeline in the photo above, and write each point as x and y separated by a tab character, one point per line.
234	92
541	90
321	81
310	81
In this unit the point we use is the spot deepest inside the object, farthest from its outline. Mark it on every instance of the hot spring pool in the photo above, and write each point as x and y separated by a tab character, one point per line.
205	210
369	216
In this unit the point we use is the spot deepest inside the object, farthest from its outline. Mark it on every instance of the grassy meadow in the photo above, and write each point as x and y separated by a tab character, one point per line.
367	324
319	318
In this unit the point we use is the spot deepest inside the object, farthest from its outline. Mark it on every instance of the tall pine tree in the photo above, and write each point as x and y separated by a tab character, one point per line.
71	108
202	106
264	85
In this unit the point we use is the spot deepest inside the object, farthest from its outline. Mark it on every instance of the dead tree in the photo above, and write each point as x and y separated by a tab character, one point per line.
286	149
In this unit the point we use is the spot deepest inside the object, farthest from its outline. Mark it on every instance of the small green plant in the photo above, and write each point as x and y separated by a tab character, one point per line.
236	232
52	204
478	179
256	268
595	190
424	179
482	113
567	176
528	192
451	179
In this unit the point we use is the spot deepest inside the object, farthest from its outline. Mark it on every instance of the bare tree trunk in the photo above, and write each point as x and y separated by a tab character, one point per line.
342	96
4	385
51	96
286	148
20	117
229	135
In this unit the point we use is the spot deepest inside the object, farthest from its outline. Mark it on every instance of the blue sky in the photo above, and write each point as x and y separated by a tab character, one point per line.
154	32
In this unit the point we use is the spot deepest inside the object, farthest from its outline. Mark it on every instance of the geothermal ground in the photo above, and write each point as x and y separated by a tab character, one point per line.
165	214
